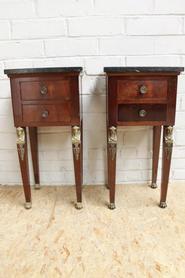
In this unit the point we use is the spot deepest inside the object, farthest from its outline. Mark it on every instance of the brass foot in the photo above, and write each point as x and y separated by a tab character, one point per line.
78	205
27	205
37	186
111	206
163	205
153	185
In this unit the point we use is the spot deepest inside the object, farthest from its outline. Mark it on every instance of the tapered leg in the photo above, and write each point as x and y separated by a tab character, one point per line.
156	148
34	153
81	153
23	160
166	162
111	157
77	157
108	164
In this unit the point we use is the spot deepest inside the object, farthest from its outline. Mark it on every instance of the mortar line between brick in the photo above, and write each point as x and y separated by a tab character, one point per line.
154	5
35	3
11	29
183	30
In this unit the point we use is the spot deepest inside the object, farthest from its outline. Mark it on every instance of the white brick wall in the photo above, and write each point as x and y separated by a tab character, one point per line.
91	34
126	46
38	28
5	30
71	47
154	25
21	49
11	9
96	26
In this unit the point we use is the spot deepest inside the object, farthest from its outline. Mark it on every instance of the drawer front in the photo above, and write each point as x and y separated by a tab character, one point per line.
142	112
46	113
45	89
142	88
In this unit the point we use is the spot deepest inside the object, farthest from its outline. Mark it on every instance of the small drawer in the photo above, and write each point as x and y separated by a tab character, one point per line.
46	113
45	90
142	112
142	88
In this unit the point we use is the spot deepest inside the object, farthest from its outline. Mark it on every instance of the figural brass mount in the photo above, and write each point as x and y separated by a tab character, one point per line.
21	141
168	140
112	141
76	141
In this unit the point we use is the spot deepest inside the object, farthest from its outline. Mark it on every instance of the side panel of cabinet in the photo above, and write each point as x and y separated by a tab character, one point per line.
16	101
172	95
112	108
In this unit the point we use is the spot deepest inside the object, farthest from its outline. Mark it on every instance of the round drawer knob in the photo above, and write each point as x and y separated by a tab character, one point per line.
45	114
142	113
43	90
143	89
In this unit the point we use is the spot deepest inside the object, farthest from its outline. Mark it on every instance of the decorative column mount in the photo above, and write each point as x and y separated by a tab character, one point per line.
168	140
112	141
21	140
76	141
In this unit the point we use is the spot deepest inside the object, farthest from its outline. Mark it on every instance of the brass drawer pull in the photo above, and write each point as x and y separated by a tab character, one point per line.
43	90
143	89
142	113
45	114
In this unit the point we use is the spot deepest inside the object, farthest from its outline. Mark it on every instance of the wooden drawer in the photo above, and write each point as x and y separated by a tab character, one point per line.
142	89
48	113
142	112
46	89
45	97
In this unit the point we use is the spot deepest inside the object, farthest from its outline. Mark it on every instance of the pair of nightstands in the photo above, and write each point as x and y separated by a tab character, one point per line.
135	96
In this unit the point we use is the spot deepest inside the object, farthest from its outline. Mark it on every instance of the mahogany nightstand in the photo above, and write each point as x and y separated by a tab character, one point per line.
142	96
46	97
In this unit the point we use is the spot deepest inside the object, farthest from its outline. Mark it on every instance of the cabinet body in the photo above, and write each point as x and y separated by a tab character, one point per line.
142	96
46	97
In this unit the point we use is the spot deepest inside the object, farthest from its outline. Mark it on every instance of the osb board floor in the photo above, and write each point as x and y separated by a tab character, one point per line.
53	239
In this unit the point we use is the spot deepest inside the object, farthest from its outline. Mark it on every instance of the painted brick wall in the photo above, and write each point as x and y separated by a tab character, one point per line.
91	34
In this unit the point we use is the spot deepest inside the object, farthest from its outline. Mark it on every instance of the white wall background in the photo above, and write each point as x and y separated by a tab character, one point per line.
91	34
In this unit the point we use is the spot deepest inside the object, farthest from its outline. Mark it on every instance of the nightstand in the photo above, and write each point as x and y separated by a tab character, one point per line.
46	97
142	96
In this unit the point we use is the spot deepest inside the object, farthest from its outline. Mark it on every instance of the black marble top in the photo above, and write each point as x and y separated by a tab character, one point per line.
143	69
42	70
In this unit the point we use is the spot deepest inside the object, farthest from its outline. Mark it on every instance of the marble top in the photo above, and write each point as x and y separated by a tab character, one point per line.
42	70
143	69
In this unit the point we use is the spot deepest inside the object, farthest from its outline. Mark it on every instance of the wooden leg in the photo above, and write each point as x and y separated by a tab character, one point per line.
77	157
23	160
111	158
108	164
34	153
156	148
166	162
82	154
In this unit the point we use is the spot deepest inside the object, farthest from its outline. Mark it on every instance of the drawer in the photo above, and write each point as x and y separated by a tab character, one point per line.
142	88
46	113
46	89
142	112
